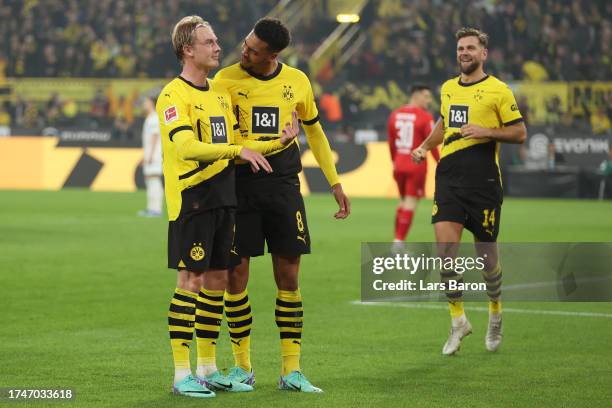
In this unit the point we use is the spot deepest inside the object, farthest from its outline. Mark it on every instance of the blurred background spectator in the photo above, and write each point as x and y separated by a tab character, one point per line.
405	42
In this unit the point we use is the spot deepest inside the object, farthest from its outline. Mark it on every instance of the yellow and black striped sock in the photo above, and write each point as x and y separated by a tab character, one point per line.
289	319
209	313
493	280
180	325
455	297
239	321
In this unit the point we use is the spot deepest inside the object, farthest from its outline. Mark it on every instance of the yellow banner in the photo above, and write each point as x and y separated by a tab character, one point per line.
37	163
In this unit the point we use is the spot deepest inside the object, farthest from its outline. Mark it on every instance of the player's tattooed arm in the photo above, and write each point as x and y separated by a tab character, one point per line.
434	139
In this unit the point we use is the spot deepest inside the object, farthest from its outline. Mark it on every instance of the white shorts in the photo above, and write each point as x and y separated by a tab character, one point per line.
152	169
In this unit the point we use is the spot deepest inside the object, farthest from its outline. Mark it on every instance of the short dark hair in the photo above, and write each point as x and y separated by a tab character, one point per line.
418	88
273	32
483	38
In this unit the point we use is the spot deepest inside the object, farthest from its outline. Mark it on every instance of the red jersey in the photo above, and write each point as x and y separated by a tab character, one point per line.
407	128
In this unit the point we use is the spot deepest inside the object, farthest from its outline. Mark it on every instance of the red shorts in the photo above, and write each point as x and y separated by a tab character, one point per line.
411	183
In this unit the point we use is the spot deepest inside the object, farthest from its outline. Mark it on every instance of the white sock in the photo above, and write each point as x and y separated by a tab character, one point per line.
459	321
495	317
206	370
180	374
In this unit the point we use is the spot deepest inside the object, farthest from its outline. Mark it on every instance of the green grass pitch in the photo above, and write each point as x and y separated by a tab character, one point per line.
84	293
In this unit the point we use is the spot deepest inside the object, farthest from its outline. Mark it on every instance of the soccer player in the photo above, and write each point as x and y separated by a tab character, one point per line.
270	207
152	164
198	130
478	112
407	128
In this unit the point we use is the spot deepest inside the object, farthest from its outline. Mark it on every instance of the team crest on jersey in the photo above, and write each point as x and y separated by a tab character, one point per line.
170	114
223	102
197	252
287	93
479	95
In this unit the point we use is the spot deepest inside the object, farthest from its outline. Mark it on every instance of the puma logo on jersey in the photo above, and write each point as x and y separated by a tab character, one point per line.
245	94
198	107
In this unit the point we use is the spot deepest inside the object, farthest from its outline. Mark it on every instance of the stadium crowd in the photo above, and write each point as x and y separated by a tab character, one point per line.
407	41
108	38
530	39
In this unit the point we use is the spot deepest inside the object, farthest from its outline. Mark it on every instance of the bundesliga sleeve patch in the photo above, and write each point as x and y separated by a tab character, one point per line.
170	114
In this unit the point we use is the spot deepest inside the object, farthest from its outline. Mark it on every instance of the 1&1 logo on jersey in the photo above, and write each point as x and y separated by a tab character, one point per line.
218	129
458	116
265	120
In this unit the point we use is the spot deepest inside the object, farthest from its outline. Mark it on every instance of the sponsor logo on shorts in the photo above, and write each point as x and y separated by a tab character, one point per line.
197	252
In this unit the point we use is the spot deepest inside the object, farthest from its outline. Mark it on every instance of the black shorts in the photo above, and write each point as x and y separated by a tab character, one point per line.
479	210
277	217
202	240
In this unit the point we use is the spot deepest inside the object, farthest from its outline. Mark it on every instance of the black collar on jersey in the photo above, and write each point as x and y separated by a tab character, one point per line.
473	83
266	77
201	88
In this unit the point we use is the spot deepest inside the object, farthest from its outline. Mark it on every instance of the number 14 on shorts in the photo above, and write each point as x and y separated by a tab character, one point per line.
489	220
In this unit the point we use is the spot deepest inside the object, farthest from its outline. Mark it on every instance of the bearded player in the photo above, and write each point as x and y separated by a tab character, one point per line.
478	113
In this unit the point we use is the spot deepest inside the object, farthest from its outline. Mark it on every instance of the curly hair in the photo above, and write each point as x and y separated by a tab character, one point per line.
273	32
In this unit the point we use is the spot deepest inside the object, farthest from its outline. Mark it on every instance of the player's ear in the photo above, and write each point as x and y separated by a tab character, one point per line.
188	50
485	52
272	56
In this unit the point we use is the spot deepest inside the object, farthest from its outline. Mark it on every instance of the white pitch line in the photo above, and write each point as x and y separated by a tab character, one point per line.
485	309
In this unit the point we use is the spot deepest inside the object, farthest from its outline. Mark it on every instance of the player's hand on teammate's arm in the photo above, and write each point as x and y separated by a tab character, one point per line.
419	154
256	160
470	131
344	205
291	130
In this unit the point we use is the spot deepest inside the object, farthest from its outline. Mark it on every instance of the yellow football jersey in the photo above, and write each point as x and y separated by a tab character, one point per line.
473	163
262	106
204	113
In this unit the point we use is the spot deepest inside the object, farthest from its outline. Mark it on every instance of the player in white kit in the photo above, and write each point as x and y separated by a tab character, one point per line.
152	162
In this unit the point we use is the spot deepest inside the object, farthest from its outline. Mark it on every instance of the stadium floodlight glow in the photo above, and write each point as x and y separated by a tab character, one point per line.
347	18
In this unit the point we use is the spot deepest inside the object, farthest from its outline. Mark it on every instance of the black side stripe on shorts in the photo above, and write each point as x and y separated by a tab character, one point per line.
178	129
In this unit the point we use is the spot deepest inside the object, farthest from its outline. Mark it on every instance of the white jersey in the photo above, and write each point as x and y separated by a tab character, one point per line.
151	144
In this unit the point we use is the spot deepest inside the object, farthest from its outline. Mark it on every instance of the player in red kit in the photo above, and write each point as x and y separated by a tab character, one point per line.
407	128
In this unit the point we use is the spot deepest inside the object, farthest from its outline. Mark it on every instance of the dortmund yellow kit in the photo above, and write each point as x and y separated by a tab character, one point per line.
468	179
198	131
270	206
